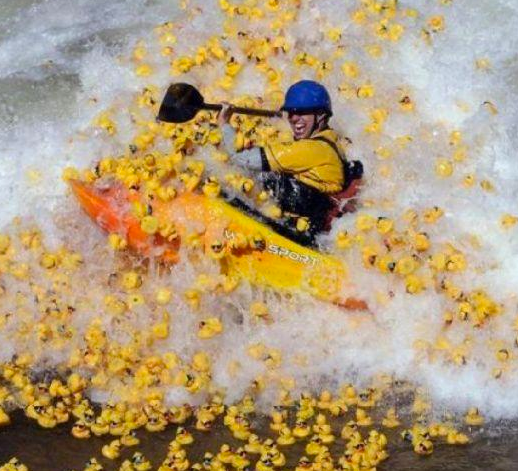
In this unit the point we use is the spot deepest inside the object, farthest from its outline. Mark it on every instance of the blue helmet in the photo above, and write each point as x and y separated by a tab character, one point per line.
307	96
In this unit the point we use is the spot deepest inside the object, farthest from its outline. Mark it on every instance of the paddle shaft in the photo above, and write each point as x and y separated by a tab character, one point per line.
241	110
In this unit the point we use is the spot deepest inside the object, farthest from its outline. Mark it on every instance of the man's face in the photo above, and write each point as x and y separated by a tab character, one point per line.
302	125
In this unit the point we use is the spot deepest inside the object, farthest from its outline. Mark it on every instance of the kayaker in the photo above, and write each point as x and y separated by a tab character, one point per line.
304	175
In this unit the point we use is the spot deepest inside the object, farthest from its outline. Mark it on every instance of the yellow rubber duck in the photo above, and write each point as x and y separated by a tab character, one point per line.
241	429
366	399
47	420
325	400
179	415
304	464
326	435
183	437
209	327
211	187
301	429
456	438
349	429
267	446
247	405
61	413
112	450
264	464
14	464
178	460
423	447
391	420
285	437
80	430
362	419
474	418
276	457
348	393
93	465
204	420
4	418
139	462
314	446
117	428
338	407
100	427
156	423
226	454
130	439
278	421
254	445
240	460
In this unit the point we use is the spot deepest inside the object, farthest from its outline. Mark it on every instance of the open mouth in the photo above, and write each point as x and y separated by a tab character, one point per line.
299	129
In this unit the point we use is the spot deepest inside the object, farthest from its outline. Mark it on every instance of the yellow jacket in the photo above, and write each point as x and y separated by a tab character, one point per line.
311	161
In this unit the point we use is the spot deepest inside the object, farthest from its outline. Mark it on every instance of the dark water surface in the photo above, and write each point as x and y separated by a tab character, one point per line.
57	450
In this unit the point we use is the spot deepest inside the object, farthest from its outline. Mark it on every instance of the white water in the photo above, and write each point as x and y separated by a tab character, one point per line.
56	56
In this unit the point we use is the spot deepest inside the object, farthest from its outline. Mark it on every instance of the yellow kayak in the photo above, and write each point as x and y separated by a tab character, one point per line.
244	246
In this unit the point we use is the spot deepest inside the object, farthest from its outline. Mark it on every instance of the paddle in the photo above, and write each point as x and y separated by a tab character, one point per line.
182	102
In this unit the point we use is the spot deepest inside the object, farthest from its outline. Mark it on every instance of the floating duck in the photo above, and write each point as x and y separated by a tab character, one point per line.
156	423
362	419
100	427
349	429
326	435
304	464
423	447
226	454
129	439
254	445
178	460
278	420
4	418
474	418
183	437
240	460
285	437
204	420
301	429
179	415
348	393
391	420
81	430
456	438
209	327
112	450
325	400
93	465
314	446
276	457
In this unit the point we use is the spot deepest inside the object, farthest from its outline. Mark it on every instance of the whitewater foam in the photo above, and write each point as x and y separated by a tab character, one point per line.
76	56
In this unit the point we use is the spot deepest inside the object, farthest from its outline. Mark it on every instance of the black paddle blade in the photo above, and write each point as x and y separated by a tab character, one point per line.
180	104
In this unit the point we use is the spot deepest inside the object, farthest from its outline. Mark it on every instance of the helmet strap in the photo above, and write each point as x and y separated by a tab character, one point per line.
316	124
